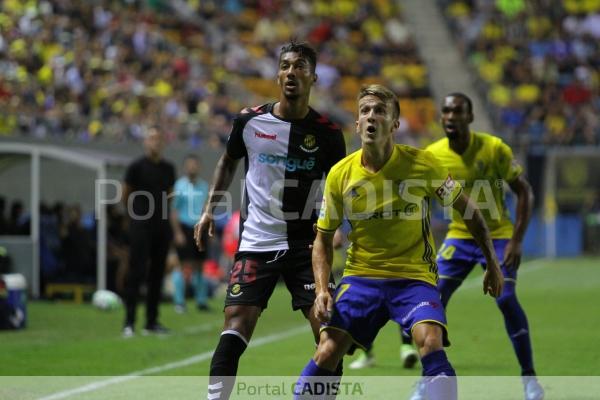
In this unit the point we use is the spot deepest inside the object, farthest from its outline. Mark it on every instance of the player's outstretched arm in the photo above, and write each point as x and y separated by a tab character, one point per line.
522	188
224	172
322	258
492	280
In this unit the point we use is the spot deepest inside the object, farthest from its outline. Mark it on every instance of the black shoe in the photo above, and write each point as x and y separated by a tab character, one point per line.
156	329
203	307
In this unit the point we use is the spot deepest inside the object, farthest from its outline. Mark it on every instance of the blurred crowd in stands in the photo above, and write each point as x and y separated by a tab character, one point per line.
84	70
538	63
104	69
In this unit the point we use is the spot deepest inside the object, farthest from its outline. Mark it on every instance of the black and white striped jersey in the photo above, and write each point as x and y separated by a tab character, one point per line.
285	162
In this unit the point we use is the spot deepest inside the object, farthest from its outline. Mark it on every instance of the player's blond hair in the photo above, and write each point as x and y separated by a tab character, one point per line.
383	93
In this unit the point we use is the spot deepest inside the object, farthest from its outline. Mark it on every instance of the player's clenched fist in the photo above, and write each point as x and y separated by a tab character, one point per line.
323	306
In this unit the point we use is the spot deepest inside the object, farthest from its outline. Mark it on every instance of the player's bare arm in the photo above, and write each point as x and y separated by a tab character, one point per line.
493	280
224	173
322	258
514	248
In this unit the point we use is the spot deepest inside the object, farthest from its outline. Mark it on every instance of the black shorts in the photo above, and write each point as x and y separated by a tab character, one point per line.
189	251
254	275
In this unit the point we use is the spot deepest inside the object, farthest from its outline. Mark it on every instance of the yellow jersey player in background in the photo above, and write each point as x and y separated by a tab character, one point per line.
482	163
384	191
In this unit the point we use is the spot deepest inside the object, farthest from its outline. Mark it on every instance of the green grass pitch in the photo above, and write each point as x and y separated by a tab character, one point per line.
560	298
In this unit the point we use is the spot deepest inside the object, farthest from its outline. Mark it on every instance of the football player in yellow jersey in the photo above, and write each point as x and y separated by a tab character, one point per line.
482	163
384	191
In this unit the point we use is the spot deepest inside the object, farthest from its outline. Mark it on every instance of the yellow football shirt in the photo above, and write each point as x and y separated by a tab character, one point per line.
482	170
389	213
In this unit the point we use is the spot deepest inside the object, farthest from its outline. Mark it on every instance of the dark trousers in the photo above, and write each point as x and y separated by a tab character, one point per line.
147	259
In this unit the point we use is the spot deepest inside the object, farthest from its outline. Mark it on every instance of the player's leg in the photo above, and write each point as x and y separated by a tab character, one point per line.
515	320
250	287
178	280
408	355
322	368
138	257
296	267
357	316
315	325
159	248
455	260
240	321
516	324
365	359
199	284
440	381
416	306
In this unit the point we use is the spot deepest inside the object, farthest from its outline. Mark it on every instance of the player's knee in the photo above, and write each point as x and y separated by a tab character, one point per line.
508	294
328	354
241	319
325	351
507	301
432	342
428	338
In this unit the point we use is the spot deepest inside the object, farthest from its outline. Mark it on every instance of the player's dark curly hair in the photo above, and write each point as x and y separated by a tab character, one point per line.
302	48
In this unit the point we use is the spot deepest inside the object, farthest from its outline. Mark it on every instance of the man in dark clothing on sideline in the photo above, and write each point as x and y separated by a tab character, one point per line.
148	181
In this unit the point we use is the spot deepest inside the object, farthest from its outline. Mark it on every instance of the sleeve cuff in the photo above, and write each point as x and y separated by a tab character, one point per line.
320	229
455	198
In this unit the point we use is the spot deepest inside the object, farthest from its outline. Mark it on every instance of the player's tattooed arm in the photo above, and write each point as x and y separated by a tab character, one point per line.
522	188
322	258
493	280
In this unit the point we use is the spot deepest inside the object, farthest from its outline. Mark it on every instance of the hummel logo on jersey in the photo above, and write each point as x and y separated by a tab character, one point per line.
262	135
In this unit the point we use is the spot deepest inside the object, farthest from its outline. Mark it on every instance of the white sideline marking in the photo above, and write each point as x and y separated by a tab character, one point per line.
173	365
192	330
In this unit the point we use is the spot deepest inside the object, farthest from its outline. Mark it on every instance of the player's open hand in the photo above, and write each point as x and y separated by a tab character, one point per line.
493	281
204	226
323	306
512	254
